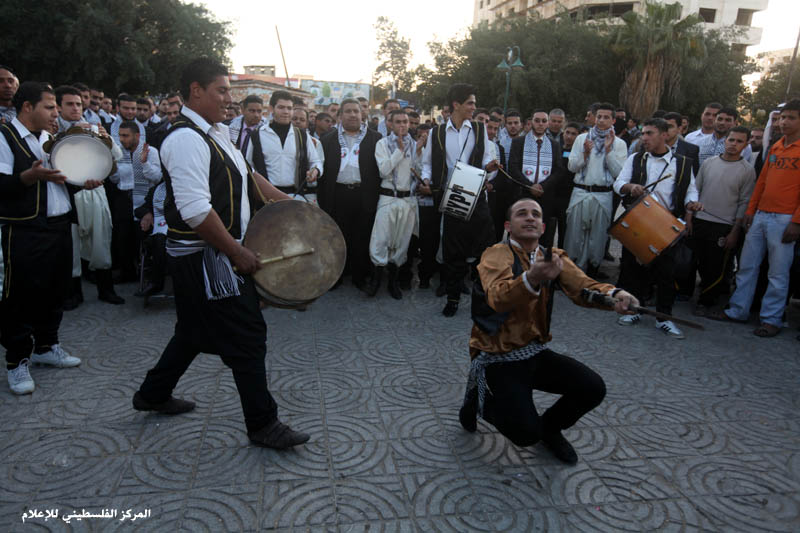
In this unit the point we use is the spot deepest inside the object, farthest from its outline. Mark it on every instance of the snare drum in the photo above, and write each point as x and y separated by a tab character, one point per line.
647	229
81	156
292	229
463	190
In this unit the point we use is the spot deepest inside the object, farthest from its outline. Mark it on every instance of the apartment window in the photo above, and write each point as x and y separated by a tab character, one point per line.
488	2
744	17
708	15
480	4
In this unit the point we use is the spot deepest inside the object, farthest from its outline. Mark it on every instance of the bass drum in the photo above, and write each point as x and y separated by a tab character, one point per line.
291	230
647	229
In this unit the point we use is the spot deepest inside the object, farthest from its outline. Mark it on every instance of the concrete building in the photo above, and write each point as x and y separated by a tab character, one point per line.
260	70
715	13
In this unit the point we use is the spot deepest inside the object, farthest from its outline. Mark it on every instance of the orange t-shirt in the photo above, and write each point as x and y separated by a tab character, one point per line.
778	186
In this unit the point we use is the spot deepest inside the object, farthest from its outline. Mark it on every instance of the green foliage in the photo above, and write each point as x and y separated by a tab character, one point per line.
771	90
393	55
116	45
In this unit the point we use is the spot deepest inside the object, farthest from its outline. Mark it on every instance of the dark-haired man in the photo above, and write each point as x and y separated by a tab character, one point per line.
207	212
706	124
244	126
8	87
535	161
677	145
672	184
714	144
509	351
322	124
460	139
596	159
36	210
127	111
388	106
511	130
350	187
285	154
566	184
772	222
555	125
724	185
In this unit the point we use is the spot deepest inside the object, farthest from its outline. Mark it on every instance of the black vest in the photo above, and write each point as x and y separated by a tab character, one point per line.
439	152
224	181
300	158
683	168
22	204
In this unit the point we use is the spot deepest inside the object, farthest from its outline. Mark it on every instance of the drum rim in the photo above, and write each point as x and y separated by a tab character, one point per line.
83	137
680	236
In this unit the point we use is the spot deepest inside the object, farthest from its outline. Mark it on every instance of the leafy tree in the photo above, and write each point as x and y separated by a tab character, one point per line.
652	49
771	90
393	55
117	45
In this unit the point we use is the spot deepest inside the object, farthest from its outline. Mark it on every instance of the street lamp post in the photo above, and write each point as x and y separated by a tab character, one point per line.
507	65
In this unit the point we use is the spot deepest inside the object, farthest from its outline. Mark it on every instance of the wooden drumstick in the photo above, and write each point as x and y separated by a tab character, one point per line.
287	256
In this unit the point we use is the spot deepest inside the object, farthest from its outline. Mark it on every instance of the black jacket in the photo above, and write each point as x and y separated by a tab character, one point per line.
692	151
550	185
367	165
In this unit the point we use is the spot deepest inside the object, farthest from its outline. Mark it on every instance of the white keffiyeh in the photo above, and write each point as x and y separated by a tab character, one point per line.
530	160
350	157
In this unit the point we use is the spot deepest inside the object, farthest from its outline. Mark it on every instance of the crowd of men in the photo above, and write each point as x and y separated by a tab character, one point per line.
382	179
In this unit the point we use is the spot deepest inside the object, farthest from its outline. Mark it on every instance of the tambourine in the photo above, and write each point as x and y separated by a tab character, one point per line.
81	155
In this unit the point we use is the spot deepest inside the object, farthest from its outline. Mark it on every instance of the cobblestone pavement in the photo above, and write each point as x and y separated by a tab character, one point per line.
695	434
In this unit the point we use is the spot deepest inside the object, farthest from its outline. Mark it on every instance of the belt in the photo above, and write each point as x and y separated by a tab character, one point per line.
594	188
289	189
58	219
349	185
396	194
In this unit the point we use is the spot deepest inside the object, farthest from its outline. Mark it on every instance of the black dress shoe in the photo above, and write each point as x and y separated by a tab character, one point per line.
71	303
394	288
278	436
374	284
110	297
404	284
450	308
173	406
468	414
441	290
561	448
424	283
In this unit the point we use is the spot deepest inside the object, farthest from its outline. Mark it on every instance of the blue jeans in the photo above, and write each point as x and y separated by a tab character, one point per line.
764	236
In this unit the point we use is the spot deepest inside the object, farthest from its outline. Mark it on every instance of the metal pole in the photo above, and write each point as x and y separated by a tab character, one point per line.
505	98
286	70
791	68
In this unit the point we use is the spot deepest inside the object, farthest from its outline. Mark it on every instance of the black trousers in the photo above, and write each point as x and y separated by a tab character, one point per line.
636	279
429	237
232	328
156	248
713	261
463	239
510	407
124	233
38	274
356	224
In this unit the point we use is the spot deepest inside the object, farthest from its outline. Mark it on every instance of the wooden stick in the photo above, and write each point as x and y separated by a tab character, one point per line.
287	256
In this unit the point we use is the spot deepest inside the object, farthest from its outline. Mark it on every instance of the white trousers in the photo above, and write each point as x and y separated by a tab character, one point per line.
391	233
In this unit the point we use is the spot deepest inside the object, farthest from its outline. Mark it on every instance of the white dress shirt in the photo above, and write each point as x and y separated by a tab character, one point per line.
280	160
697	137
657	168
186	157
458	145
57	195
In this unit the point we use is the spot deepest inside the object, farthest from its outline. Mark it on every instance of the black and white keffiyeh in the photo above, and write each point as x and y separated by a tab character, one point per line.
529	158
350	157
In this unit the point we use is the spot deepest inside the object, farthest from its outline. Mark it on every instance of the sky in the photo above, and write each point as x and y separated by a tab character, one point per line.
347	52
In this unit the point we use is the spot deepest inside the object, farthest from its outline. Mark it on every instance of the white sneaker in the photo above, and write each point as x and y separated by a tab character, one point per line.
55	357
629	320
20	380
670	329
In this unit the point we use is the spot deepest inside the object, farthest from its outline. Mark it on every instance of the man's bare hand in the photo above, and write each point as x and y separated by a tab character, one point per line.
694	206
747	221
587	147
145	150
625	303
536	190
545	270
39	172
636	190
92	184
245	261
609	142
312	175
147	222
791	233
493	165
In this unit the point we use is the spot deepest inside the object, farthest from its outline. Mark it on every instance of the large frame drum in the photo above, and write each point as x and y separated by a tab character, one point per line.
647	229
283	234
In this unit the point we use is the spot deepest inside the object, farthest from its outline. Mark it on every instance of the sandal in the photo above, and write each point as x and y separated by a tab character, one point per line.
766	330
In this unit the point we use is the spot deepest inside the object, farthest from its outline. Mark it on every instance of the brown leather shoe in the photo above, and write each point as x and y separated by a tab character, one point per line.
278	436
173	406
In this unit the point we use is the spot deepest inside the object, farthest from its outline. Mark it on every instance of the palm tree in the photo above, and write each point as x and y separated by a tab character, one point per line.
652	47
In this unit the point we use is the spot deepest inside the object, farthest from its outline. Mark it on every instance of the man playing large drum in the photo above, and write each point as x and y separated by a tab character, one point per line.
207	212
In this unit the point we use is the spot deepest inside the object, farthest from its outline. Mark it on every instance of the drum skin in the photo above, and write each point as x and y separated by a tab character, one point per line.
647	229
463	190
81	157
288	227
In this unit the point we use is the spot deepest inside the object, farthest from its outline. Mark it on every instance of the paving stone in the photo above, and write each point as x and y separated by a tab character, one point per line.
694	435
